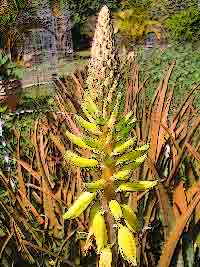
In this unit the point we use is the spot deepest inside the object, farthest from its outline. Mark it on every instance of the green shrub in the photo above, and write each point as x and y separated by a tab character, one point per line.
184	26
8	70
186	73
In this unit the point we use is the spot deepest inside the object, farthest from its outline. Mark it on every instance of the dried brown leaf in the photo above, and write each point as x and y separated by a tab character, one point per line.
171	243
193	151
28	167
179	200
180	156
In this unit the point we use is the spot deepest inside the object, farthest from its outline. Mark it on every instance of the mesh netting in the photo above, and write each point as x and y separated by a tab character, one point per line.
45	40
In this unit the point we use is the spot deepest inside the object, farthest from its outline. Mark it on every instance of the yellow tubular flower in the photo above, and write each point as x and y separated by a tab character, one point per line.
121	175
79	205
105	257
123	147
136	186
127	245
88	126
97	185
115	209
77	140
78	161
130	218
100	231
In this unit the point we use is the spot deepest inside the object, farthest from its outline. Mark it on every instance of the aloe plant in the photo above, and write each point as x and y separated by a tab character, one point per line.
114	155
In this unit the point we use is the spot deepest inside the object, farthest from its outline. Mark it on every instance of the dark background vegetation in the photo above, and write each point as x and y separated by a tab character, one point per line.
180	20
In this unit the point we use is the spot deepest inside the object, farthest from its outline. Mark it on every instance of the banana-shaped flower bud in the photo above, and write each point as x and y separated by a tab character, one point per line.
105	257
121	175
100	231
94	143
127	245
130	218
97	185
133	165
133	155
115	209
78	161
77	140
88	126
94	209
123	147
79	205
136	186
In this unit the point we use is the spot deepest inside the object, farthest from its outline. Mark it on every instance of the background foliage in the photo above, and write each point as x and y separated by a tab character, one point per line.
179	19
184	26
155	62
8	69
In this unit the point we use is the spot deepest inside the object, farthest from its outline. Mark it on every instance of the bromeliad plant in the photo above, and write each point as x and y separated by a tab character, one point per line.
113	157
